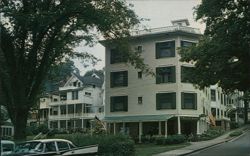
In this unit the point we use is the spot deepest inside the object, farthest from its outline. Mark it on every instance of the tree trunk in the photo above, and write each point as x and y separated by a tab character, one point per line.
20	124
245	111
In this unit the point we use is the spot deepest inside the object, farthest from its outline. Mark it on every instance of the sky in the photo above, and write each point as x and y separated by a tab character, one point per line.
160	14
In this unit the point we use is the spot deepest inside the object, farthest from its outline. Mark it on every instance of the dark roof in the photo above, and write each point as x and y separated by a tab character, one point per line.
90	80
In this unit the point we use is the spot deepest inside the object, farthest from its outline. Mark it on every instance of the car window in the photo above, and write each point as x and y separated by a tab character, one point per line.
39	147
7	147
50	147
62	145
71	146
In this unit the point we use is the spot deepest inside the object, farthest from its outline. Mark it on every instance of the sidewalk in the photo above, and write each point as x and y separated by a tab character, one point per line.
196	146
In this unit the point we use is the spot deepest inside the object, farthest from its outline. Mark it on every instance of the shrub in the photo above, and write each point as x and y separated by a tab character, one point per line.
235	133
109	145
160	140
175	139
234	125
210	134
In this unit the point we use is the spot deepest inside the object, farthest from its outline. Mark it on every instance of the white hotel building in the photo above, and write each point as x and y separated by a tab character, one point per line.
162	105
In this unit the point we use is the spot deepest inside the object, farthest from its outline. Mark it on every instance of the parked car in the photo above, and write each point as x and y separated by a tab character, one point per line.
52	147
7	147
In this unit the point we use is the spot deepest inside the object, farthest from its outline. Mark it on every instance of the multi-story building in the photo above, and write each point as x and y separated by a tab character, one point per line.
160	105
167	103
74	105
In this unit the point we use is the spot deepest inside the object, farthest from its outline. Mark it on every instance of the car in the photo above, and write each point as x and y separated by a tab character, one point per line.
7	147
52	147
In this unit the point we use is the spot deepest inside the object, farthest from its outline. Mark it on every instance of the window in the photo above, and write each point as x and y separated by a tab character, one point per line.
213	95
116	56
187	44
54	110
165	74
63	124
165	101
188	100
185	73
139	75
138	49
87	93
119	79
165	49
63	110
221	99
78	109
62	146
71	109
63	97
50	147
119	103
140	100
74	95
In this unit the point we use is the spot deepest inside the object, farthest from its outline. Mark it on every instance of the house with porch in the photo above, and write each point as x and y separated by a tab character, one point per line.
74	105
166	104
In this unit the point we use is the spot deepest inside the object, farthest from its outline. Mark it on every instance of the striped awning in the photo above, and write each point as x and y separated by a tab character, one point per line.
137	118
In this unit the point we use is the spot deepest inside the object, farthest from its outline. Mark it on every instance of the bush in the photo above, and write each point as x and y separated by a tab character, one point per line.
171	139
234	125
235	133
109	145
210	134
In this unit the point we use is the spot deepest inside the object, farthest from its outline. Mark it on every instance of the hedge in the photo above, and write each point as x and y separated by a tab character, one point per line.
108	145
171	139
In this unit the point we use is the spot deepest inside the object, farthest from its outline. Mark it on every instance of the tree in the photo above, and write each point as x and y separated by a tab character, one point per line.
36	34
223	53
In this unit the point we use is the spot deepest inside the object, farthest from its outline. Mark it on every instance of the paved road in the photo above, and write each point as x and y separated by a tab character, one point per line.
239	147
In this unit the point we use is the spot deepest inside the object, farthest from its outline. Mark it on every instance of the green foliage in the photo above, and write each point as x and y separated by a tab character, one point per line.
236	133
109	145
210	134
39	34
234	125
171	139
36	129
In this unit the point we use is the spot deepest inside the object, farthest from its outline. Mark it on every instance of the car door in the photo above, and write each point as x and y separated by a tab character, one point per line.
62	146
50	148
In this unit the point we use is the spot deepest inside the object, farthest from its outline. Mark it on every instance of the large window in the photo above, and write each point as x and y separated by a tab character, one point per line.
165	101
63	109
165	49
185	74
165	74
116	56
188	100
187	44
213	95
74	95
119	79
119	103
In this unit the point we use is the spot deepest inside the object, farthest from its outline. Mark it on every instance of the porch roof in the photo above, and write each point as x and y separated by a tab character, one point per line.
138	118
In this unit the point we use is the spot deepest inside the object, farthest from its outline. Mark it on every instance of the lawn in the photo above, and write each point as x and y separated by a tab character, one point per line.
150	149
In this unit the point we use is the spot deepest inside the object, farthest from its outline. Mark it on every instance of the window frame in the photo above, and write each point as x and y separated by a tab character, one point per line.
124	103
184	105
159	104
158	46
113	76
160	77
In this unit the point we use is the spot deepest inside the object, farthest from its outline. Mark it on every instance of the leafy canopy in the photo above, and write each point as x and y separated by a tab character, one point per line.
223	53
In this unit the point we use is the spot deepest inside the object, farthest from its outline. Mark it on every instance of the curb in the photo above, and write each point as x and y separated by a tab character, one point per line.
227	140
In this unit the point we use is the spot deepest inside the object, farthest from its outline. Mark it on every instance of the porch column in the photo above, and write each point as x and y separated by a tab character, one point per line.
159	132
179	124
123	127
166	128
114	128
82	124
198	127
236	116
140	131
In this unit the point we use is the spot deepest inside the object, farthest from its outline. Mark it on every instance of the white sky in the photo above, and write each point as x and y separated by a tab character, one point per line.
159	12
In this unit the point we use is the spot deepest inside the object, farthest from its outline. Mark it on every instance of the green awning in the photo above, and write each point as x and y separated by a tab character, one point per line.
137	118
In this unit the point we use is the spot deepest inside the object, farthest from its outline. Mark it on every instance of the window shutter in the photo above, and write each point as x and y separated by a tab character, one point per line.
195	101
111	104
182	100
111	80
125	103
173	74
174	100
158	78
125	78
172	48
157	50
158	107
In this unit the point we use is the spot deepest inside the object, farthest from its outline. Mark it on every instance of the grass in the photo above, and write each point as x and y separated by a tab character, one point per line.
150	149
235	133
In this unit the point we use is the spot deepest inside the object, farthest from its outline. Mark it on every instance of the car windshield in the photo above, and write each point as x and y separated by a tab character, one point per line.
27	146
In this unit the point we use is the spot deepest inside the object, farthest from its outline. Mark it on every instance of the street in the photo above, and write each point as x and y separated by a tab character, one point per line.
239	147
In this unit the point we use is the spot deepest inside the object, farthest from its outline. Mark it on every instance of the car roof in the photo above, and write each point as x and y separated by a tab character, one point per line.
7	142
49	140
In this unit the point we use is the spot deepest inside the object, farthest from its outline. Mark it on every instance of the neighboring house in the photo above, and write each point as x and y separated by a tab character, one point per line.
74	105
162	105
7	129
